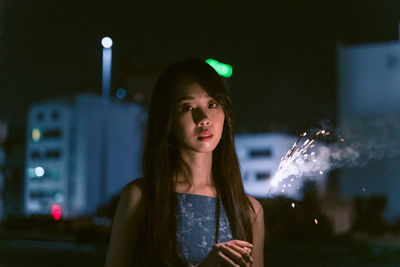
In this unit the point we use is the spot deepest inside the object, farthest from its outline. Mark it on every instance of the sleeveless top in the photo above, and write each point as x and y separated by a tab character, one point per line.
196	223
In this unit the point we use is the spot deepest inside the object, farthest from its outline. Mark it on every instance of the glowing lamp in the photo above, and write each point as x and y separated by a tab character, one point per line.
39	171
106	42
222	69
36	134
56	212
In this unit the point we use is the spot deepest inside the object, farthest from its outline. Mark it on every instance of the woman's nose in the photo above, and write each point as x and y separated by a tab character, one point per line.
201	119
205	122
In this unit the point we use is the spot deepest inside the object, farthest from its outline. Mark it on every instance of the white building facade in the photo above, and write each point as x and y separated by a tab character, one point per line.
80	152
369	94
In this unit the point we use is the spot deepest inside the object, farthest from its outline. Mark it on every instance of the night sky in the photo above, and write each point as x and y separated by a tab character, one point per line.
283	53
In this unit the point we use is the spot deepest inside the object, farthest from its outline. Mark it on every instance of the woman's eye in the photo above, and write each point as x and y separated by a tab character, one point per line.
186	108
213	105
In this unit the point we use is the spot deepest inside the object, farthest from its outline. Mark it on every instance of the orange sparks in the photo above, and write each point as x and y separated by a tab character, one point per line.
341	140
315	221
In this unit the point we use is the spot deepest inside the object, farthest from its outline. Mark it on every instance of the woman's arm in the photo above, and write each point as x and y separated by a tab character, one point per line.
258	233
125	227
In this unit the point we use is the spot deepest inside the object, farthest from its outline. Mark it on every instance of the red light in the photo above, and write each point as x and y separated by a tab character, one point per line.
56	212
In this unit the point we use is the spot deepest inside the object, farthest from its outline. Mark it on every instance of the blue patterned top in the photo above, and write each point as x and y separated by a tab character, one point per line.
196	226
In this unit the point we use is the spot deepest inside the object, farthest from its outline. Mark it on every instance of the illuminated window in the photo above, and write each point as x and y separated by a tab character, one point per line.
39	171
36	134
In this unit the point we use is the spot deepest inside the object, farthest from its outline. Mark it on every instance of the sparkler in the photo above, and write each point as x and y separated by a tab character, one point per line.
298	158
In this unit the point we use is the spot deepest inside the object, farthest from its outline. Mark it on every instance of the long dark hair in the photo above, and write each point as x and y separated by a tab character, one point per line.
161	162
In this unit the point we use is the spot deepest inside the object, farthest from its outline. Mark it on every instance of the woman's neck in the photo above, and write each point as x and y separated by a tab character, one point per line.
198	178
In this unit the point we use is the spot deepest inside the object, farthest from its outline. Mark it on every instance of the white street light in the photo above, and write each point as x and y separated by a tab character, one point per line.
106	42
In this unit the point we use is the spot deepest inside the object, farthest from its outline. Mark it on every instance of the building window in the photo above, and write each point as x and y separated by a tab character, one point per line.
392	62
263	175
55	115
35	154
42	194
54	133
53	154
40	116
260	153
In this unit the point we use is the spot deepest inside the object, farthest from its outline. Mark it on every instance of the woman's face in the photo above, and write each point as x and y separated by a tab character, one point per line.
198	120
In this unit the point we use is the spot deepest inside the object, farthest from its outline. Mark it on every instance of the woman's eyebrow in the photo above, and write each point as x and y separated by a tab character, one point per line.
183	98
190	97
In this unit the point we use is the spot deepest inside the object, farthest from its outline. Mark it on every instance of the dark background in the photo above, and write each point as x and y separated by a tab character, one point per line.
283	53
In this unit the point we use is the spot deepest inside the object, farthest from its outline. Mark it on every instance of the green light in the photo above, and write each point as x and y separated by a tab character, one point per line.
36	134
222	69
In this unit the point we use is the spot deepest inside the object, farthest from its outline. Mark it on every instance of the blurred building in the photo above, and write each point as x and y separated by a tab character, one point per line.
80	153
369	95
259	156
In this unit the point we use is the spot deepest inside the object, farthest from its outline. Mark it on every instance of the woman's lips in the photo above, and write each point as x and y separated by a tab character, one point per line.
204	136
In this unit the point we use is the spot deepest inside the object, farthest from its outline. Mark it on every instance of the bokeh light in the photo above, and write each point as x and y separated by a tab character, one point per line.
36	134
121	93
56	212
106	42
39	171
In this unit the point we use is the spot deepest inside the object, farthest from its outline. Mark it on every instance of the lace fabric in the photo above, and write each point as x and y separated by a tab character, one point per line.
196	226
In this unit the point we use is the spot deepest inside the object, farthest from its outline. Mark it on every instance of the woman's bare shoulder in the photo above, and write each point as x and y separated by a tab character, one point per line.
126	225
132	194
257	218
255	203
136	184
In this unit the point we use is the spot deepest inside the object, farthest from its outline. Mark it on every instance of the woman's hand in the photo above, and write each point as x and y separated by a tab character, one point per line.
231	253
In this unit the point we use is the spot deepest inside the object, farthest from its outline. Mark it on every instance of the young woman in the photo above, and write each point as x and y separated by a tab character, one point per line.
190	209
